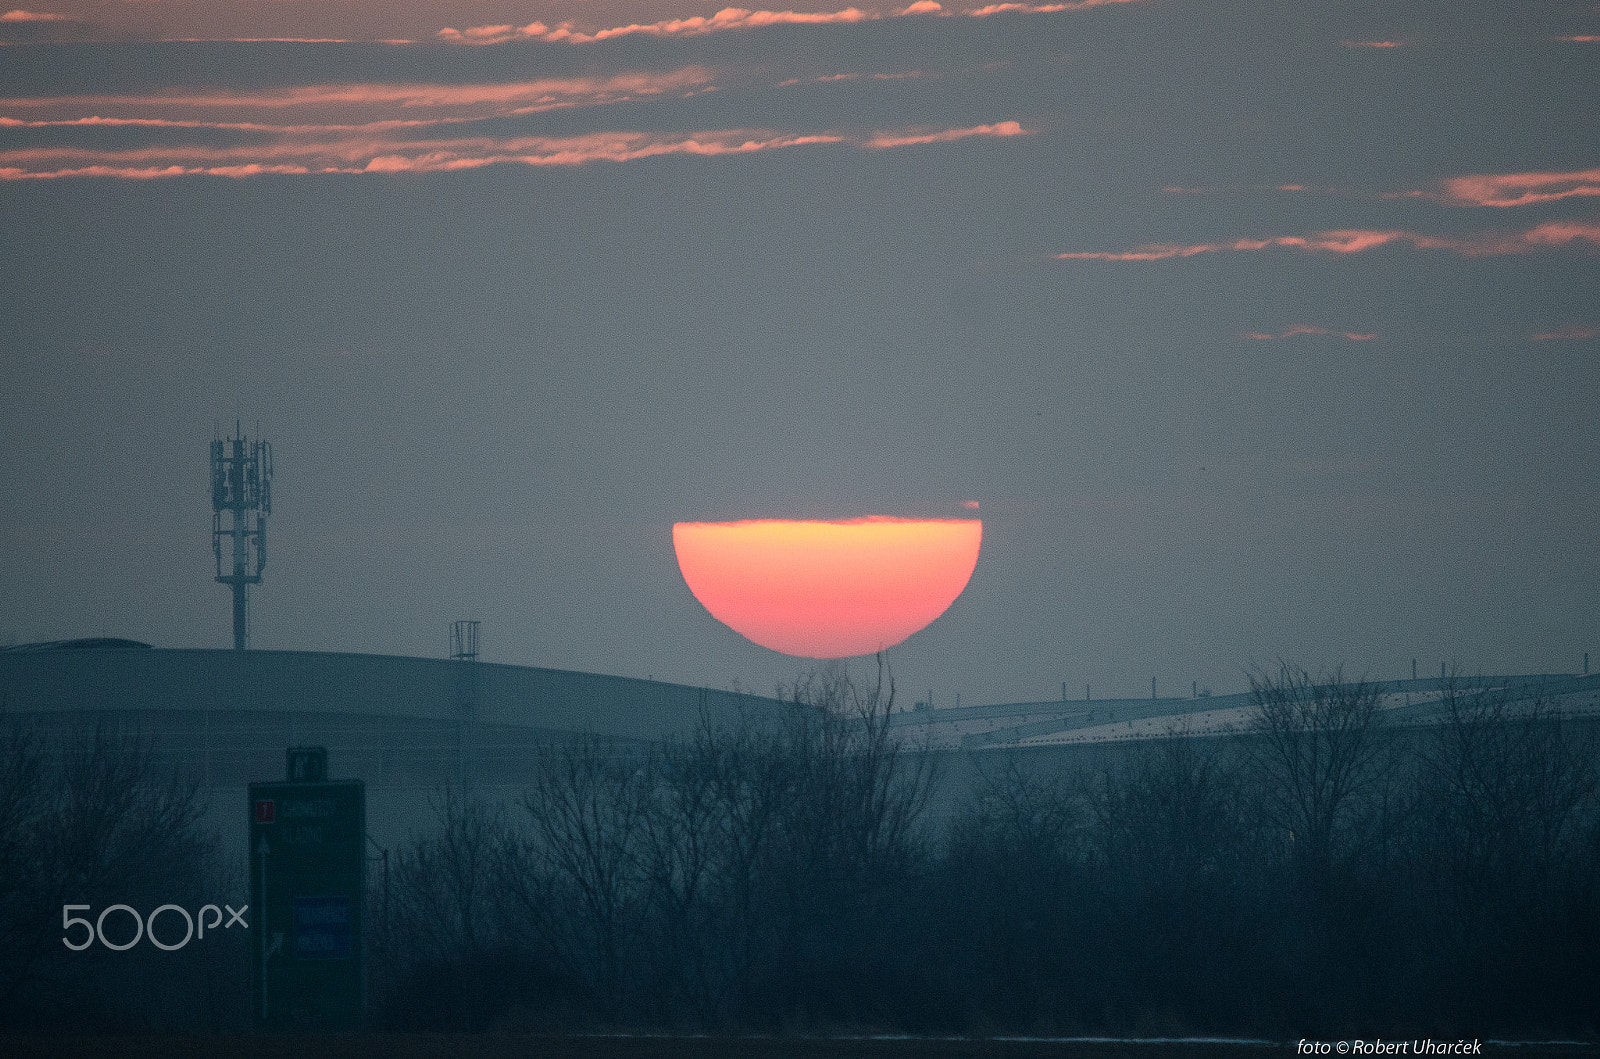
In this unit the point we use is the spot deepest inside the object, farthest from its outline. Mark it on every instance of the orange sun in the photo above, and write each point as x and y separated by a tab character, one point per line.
827	589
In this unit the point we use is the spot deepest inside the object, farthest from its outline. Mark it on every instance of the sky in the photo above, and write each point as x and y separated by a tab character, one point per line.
1258	330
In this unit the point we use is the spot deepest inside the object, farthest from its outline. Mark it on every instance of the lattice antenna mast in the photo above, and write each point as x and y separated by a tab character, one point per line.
464	641
241	485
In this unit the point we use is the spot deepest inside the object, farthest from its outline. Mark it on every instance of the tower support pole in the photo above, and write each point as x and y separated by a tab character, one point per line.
240	626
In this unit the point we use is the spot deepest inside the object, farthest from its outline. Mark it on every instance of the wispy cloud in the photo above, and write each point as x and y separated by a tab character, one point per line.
380	155
366	149
1301	329
19	15
473	100
1355	241
738	18
1574	334
278	40
1520	189
730	18
904	75
1473	189
1293	188
907	139
1380	44
311	130
1044	9
1583	38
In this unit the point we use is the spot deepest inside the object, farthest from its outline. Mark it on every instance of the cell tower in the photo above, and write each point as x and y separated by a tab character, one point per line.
241	483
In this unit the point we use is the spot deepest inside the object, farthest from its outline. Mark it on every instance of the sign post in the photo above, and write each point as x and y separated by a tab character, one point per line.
308	886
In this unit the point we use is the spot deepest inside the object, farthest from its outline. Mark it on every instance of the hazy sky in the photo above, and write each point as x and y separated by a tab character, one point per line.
1257	329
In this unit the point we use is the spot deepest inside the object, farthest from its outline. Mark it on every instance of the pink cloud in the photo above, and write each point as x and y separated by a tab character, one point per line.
381	155
20	15
734	18
906	139
477	100
970	505
367	149
1355	241
278	40
1520	189
149	172
1236	188
1372	43
1576	334
726	19
1302	329
309	131
1045	9
1560	233
1585	38
1475	189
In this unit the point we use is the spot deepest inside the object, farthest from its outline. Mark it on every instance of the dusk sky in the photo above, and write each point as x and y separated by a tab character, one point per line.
1256	330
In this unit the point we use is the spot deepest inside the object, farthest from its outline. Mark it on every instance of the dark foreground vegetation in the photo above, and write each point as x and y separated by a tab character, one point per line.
91	822
1319	875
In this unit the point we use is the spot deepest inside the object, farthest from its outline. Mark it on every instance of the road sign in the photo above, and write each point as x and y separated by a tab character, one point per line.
308	886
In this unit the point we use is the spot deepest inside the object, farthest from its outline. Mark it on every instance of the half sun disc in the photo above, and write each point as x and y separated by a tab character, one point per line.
827	589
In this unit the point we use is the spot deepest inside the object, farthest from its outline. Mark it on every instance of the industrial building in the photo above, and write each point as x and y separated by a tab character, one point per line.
224	718
408	727
1066	723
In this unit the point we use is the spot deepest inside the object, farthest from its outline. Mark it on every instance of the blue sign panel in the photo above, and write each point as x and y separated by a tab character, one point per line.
322	927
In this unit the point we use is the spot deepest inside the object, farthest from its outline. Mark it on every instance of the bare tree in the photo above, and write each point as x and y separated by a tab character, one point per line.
443	887
766	836
1510	777
23	806
90	820
441	934
1024	814
1173	811
712	820
578	880
859	792
847	839
1315	750
1019	843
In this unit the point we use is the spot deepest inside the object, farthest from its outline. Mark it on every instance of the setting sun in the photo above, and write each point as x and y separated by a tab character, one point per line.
827	589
